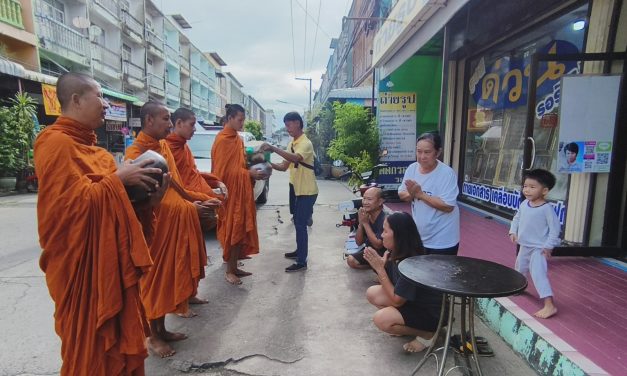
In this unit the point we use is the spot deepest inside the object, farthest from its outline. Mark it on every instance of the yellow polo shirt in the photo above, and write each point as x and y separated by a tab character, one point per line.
303	178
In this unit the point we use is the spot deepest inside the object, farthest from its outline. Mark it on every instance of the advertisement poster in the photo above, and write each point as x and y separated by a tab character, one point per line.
116	110
589	105
397	125
51	103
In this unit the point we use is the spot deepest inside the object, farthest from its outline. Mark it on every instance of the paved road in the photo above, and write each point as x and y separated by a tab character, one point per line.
312	323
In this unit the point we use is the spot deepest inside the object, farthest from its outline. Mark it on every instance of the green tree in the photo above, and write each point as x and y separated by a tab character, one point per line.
321	132
357	137
16	133
254	127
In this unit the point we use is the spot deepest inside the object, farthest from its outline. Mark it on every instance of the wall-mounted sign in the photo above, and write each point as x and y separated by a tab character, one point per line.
588	118
116	110
397	125
51	103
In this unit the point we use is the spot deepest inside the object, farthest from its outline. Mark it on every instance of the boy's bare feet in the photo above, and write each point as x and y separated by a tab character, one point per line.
232	279
159	347
546	312
241	273
197	300
172	336
414	347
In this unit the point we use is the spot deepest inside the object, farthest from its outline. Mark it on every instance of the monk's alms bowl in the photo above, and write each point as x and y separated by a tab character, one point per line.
138	193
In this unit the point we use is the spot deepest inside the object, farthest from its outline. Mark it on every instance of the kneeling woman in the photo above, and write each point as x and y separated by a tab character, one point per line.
404	308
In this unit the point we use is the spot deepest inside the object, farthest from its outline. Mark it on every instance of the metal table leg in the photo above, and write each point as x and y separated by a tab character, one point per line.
448	335
432	348
475	350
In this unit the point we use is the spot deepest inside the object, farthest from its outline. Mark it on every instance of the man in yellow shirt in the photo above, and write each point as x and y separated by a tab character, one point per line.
299	158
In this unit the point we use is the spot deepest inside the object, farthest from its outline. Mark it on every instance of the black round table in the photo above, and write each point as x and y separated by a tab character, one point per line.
466	278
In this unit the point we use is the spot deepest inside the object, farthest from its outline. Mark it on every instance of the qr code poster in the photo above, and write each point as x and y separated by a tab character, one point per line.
584	156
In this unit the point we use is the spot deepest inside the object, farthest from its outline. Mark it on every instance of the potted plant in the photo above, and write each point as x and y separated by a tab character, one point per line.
16	137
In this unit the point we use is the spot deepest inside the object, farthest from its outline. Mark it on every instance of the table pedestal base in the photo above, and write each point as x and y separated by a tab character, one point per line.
467	308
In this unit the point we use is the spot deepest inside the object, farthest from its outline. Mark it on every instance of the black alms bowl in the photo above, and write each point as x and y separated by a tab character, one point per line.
137	193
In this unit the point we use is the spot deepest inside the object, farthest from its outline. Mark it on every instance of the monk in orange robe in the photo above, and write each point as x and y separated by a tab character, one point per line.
94	251
173	232
237	227
184	121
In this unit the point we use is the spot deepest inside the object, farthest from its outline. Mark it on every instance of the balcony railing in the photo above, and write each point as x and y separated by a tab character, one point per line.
171	52
172	89
11	13
185	96
154	40
110	5
157	83
184	62
107	57
61	39
197	101
132	23
134	71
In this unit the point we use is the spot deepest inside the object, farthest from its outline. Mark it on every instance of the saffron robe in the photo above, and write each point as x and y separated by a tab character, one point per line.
176	242
93	254
238	223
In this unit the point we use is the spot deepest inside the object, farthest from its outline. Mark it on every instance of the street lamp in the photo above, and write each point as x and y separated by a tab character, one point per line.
307	79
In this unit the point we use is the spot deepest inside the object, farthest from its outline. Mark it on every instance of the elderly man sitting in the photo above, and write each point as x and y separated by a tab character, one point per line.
371	217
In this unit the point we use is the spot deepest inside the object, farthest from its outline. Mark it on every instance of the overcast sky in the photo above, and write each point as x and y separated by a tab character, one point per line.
254	38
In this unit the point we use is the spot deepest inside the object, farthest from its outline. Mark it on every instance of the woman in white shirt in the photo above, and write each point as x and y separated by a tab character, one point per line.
431	187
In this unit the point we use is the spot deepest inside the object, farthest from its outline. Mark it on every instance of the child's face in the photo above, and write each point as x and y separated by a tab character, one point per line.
534	190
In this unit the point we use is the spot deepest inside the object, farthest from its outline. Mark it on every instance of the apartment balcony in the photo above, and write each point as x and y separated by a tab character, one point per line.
106	61
132	27
172	90
185	97
155	44
197	101
11	13
196	72
156	85
109	10
184	64
171	55
134	75
62	40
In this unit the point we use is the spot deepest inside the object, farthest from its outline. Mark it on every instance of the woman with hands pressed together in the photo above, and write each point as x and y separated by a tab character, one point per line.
431	187
405	309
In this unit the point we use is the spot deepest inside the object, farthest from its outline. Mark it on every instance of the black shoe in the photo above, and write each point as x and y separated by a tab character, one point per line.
291	255
310	222
296	268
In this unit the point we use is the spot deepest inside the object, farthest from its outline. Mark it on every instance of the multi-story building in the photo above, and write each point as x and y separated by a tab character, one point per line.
17	34
269	124
217	99
172	64
155	52
234	90
134	49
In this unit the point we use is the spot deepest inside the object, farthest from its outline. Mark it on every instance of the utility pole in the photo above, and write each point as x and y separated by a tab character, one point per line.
307	79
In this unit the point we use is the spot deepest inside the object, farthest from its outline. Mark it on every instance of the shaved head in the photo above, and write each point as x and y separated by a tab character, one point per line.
372	200
374	192
151	109
71	83
155	118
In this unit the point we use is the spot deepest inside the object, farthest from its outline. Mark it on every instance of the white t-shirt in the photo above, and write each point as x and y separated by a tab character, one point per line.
437	229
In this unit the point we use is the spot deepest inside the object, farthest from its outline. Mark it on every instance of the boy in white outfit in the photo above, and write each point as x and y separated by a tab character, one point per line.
536	229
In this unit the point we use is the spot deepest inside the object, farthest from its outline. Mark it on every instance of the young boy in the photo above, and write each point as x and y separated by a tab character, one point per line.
536	229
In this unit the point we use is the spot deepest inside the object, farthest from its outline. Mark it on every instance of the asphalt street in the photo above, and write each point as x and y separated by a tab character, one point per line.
316	322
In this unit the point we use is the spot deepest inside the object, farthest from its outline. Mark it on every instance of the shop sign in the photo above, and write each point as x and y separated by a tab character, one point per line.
505	198
135	122
51	102
504	83
116	110
114	126
549	120
397	125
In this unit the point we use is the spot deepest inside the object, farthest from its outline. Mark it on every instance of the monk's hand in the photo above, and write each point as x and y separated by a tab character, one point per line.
205	211
136	174
160	189
225	192
266	147
256	174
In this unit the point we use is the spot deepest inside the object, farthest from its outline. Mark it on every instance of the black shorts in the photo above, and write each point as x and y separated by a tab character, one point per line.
418	319
443	251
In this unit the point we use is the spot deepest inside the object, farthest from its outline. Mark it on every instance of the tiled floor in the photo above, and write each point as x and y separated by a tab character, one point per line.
591	296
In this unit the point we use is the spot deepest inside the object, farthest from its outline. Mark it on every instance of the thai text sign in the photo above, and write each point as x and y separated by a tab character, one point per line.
51	102
116	110
397	125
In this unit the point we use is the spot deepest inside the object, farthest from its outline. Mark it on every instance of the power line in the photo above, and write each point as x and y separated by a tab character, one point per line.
313	53
293	45
311	17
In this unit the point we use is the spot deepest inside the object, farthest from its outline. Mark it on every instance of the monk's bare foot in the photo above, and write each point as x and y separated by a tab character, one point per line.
232	279
241	273
197	300
173	336
159	347
187	315
245	258
414	347
546	312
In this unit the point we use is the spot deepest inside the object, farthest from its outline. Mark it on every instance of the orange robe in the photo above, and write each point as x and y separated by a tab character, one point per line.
93	253
192	178
238	223
176	242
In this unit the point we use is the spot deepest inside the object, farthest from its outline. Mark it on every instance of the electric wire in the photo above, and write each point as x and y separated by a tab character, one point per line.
311	17
313	53
293	44
305	44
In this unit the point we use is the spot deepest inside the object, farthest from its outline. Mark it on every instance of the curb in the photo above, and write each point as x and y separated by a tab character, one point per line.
545	352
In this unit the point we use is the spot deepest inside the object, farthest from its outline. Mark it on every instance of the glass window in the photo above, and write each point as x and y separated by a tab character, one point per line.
497	112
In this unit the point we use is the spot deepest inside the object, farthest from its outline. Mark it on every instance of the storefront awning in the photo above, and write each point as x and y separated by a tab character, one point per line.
11	68
115	94
420	24
40	77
